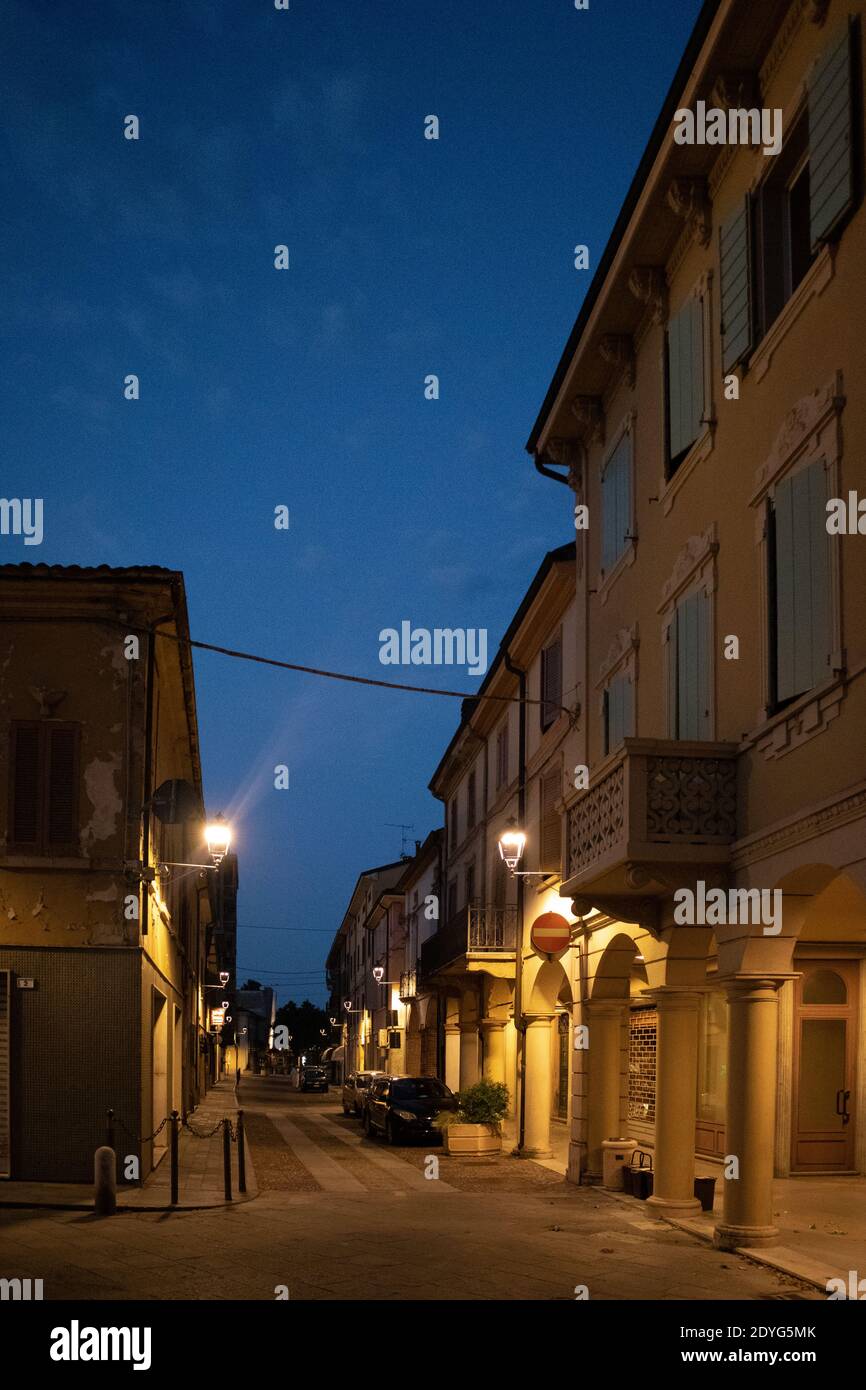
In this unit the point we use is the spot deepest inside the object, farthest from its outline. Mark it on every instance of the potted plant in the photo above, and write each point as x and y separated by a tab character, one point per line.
475	1127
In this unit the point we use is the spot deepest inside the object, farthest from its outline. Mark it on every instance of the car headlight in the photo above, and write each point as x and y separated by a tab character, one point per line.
405	1115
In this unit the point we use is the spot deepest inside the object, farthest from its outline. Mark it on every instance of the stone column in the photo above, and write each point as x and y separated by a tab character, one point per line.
604	1018
676	1103
536	1131
751	1113
452	1056
511	1065
468	1054
494	1049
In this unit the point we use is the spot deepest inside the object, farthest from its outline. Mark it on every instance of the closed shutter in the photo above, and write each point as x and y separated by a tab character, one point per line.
551	679
616	503
62	787
5	1049
685	376
551	825
26	785
802	582
735	273
831	143
693	668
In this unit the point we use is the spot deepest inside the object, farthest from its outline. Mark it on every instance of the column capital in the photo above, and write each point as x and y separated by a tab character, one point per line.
530	1019
606	1008
491	1025
471	1027
670	997
755	989
452	1028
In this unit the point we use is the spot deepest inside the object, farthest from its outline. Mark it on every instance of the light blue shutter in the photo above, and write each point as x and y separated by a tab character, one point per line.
686	375
673	686
831	158
608	521
819	554
786	624
736	293
802	582
624	491
693	668
627	708
616	504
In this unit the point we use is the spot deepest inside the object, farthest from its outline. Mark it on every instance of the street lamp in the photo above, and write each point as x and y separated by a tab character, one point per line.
512	843
218	838
378	972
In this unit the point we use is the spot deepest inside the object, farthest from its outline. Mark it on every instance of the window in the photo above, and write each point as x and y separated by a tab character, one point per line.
502	757
470	801
44	800
782	236
616	503
470	882
550	825
684	373
618	712
452	899
500	882
769	241
799	585
452	817
689	668
551	683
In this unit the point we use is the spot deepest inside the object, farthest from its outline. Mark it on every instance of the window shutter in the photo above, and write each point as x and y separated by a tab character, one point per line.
551	827
735	274
551	675
673	689
704	711
608	520
831	144
62	787
785	607
25	785
627	707
819	554
686	375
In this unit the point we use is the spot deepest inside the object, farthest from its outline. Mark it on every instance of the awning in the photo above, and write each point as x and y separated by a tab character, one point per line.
326	1055
337	1053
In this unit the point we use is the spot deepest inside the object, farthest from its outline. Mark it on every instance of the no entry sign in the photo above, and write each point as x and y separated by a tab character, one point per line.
549	934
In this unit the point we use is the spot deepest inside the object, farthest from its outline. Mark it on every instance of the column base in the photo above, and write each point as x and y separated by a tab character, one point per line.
672	1206
726	1237
531	1153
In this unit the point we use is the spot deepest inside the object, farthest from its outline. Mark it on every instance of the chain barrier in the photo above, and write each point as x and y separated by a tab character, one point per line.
232	1133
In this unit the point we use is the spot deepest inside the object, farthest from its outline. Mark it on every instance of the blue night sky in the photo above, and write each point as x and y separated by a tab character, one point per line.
305	387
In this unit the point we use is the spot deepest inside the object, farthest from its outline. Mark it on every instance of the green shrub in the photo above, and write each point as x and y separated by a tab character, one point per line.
485	1103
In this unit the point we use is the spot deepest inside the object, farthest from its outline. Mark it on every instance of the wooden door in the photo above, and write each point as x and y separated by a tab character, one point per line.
825	1032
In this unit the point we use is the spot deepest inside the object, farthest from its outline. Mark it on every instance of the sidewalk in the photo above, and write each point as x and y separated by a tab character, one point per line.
200	1161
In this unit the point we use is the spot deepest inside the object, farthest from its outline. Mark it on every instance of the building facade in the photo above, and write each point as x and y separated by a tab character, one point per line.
708	416
103	947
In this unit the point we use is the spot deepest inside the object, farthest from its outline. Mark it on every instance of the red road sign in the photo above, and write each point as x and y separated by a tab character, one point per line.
550	934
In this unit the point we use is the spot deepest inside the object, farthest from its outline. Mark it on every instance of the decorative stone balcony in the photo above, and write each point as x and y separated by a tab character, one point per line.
477	937
654	808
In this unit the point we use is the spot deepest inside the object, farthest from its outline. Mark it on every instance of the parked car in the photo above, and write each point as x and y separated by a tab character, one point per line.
355	1088
313	1079
404	1108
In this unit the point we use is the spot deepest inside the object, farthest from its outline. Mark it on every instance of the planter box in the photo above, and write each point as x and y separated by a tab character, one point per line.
473	1139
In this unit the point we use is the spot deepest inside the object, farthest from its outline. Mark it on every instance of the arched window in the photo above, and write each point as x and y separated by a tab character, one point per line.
824	987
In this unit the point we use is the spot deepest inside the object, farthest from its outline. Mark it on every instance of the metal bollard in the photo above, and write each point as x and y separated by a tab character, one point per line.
104	1181
173	1157
227	1158
242	1158
109	1130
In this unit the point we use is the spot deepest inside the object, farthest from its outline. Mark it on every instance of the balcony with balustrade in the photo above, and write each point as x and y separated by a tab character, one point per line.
476	938
655	810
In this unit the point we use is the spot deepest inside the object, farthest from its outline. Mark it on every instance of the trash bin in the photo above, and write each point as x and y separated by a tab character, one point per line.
705	1191
616	1155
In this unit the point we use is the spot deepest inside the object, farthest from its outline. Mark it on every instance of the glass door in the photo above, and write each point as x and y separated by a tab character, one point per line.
824	1045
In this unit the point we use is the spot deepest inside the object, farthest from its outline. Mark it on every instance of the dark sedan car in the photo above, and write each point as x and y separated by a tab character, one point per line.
404	1108
314	1079
355	1088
